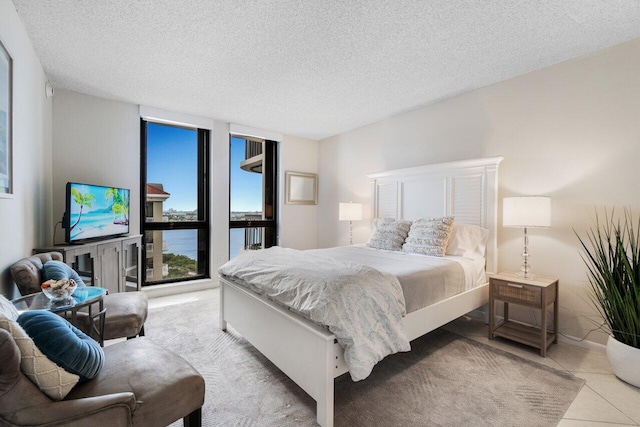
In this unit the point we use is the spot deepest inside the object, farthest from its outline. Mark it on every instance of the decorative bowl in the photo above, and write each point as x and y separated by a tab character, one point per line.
58	290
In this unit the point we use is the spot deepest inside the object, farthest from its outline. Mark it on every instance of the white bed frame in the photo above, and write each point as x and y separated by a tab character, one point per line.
310	354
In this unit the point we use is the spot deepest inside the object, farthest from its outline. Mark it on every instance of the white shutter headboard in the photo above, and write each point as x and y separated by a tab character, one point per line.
466	189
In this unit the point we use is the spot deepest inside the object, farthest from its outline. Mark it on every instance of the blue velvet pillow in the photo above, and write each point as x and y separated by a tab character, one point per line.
63	343
59	270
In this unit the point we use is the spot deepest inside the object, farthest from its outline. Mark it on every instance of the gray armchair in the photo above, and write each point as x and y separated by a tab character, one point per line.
140	384
125	312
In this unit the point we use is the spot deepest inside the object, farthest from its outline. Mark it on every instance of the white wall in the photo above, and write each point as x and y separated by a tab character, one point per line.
25	219
570	131
95	141
297	222
220	196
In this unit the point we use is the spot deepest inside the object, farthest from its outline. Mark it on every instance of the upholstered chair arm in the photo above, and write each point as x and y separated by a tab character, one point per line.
27	272
109	410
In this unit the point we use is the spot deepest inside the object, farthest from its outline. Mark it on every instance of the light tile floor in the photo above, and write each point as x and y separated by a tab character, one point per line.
603	401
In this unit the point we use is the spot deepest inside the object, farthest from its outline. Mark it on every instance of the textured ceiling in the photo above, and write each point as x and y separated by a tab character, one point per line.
312	68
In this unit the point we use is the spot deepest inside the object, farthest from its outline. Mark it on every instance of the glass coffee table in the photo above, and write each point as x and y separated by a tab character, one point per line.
82	297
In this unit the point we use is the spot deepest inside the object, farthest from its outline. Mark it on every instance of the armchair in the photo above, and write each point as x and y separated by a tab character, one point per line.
125	312
140	384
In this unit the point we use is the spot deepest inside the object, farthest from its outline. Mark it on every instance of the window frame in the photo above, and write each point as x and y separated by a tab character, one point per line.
202	223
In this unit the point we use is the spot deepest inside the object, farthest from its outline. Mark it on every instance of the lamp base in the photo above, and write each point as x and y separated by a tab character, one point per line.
526	275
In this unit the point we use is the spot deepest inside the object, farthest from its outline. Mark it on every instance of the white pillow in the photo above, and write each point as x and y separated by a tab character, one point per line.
469	241
429	236
54	381
8	309
388	233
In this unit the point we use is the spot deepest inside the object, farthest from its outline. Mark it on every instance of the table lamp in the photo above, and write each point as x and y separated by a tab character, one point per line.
350	212
526	212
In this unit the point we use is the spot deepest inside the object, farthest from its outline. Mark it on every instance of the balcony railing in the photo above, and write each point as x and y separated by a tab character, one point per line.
252	149
253	238
252	157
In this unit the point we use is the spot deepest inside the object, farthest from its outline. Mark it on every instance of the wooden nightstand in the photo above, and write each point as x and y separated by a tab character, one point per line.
538	293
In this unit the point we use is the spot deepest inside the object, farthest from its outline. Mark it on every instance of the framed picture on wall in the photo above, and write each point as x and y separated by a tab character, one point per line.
301	188
6	69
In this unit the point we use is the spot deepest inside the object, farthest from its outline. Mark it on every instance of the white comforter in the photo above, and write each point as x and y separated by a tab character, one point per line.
360	305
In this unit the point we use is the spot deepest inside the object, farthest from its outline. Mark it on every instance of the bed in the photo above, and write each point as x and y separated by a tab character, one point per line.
309	353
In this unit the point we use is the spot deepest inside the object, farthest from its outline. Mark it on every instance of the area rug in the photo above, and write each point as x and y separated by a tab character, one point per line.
446	380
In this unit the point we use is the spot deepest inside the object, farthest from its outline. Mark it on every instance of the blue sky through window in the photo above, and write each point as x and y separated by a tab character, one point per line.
172	161
246	187
172	154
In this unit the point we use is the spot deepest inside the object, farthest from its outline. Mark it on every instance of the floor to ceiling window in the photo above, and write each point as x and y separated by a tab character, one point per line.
253	198
175	202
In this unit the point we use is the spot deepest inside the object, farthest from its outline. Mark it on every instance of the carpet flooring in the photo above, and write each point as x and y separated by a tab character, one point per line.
446	380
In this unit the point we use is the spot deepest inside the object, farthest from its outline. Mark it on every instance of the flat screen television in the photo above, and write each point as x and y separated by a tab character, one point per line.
95	212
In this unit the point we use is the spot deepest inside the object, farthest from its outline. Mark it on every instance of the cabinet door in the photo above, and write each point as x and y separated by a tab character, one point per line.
82	260
110	266
131	255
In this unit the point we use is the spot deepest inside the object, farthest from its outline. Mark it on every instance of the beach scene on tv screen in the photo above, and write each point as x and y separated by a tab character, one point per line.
97	212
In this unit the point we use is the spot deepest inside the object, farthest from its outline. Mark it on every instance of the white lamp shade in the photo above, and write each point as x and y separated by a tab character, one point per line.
350	212
528	211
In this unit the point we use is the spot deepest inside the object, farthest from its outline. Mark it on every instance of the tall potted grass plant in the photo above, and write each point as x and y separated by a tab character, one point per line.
611	251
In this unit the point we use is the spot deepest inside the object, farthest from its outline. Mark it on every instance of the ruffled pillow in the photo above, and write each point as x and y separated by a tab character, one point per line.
389	233
429	236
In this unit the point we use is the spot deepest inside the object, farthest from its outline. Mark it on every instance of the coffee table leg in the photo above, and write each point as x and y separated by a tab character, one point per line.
101	324
98	331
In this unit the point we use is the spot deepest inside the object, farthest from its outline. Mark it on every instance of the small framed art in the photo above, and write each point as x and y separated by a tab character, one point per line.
6	89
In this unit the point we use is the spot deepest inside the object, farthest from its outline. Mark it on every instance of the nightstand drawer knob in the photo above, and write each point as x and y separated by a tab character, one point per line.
514	285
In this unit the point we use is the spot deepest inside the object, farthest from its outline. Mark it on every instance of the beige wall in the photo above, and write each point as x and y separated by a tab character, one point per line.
25	219
570	131
297	222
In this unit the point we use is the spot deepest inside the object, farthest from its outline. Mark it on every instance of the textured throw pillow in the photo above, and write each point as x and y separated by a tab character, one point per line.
388	233
63	343
54	381
8	309
469	241
429	236
59	270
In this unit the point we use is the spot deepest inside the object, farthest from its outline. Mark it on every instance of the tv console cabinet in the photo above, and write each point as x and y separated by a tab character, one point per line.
114	264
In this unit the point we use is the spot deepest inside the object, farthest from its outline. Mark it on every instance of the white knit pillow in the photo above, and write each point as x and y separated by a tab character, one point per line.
429	236
388	233
54	381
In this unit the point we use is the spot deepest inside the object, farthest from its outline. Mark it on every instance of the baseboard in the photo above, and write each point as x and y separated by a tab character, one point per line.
589	345
179	288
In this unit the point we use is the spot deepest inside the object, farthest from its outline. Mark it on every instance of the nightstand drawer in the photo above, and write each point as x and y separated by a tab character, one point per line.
517	292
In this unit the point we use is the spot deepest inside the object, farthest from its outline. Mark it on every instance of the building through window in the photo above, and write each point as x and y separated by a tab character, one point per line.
253	197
